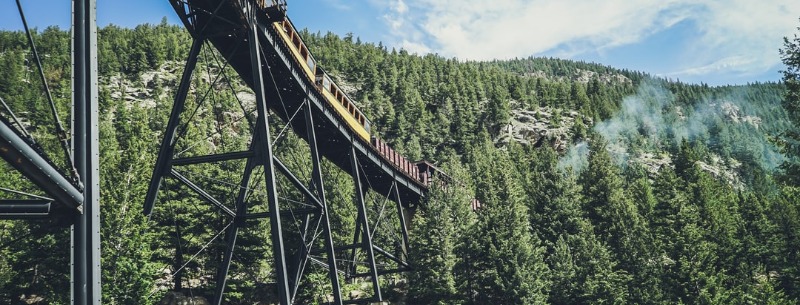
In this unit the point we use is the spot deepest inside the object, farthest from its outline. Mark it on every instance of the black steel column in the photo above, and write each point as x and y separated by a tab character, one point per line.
301	259
333	271
264	151
351	270
86	228
402	216
233	231
362	211
167	150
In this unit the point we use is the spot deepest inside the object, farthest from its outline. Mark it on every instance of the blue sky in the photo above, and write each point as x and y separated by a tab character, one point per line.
712	41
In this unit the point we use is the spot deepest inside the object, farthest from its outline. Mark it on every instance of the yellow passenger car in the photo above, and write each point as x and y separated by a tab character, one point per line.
334	96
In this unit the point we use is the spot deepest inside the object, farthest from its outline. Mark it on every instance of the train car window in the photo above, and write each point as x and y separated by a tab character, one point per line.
286	26
368	126
326	83
296	40
311	63
303	51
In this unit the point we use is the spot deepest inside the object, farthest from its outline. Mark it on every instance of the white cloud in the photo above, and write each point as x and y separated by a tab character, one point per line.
395	18
742	35
473	29
404	32
415	48
400	7
736	64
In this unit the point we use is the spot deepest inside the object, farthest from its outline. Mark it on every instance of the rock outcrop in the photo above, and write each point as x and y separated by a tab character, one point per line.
544	126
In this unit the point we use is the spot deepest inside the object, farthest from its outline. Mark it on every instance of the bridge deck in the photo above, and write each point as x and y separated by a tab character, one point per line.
222	22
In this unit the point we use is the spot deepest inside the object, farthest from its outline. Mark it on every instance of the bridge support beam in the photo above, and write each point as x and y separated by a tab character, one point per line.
167	150
363	225
24	209
16	151
264	147
403	226
86	228
233	231
333	272
267	67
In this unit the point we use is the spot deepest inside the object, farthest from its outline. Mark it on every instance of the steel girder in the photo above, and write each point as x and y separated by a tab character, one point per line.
264	52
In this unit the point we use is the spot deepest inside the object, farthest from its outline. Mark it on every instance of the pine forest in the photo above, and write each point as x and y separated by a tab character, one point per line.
597	185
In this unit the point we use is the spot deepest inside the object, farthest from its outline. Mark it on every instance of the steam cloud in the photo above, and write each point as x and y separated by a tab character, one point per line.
653	120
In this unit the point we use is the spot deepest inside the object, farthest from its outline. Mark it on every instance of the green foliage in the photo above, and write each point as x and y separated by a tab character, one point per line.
436	234
790	54
607	234
128	270
504	264
582	268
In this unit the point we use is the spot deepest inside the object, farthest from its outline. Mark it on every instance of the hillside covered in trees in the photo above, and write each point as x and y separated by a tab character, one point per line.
598	185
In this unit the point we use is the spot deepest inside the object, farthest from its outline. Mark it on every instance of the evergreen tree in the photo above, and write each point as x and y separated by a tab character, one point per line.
583	269
436	233
614	215
790	54
502	262
688	268
787	217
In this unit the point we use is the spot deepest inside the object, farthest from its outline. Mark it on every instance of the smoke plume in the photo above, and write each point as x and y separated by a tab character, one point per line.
735	124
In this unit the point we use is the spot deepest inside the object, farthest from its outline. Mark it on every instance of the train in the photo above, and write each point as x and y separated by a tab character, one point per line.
421	171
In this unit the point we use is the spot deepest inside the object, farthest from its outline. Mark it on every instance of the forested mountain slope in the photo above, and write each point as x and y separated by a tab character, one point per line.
598	185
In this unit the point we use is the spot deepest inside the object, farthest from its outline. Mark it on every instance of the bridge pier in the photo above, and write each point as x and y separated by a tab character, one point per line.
282	88
264	151
86	288
333	271
363	225
75	200
403	227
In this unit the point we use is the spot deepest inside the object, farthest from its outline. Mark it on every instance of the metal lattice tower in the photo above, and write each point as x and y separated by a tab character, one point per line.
74	199
242	32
